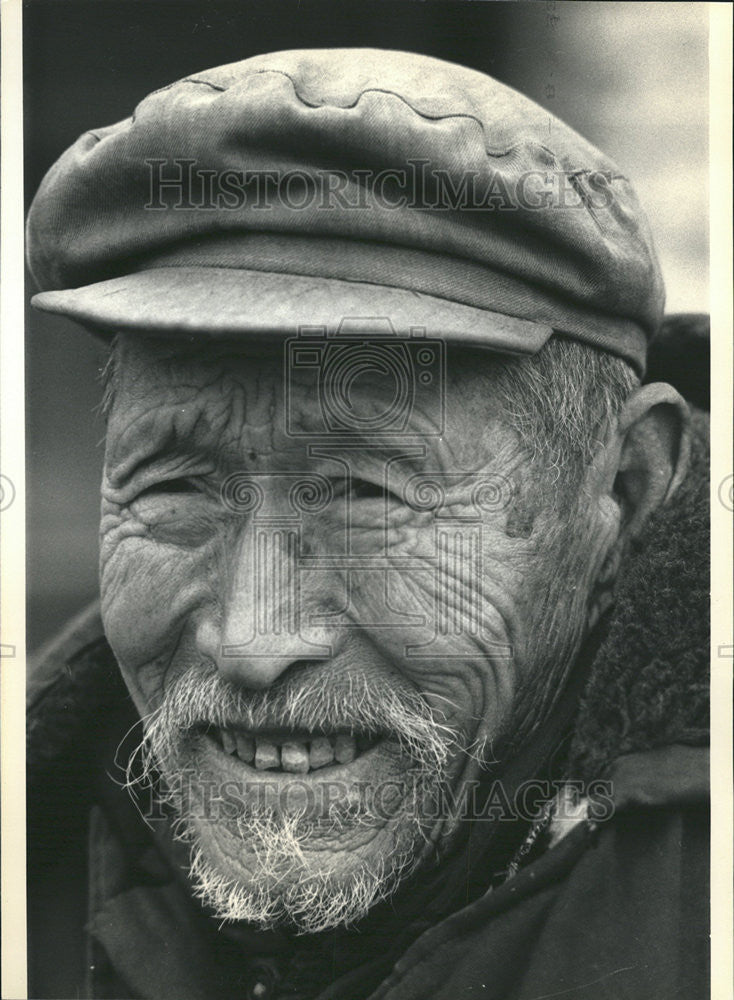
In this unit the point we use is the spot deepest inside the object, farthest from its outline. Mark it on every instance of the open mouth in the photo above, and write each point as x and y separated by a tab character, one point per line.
288	751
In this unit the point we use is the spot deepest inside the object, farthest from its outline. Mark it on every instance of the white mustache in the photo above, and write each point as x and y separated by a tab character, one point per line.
303	701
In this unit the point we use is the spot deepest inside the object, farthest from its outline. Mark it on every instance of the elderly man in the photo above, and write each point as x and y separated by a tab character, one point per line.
402	560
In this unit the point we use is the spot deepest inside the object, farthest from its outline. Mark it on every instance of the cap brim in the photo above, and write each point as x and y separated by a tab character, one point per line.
226	302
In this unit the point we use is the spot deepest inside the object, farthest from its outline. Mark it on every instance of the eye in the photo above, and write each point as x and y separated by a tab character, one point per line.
176	512
364	489
168	487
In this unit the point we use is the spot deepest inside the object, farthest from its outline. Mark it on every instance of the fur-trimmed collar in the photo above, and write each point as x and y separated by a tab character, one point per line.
649	685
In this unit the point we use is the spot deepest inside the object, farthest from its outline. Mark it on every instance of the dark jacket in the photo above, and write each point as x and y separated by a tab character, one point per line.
615	908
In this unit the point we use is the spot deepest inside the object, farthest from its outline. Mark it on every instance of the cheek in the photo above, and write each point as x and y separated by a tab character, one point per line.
148	590
450	615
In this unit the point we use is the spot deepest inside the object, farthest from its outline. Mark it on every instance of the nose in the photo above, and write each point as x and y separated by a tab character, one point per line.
263	628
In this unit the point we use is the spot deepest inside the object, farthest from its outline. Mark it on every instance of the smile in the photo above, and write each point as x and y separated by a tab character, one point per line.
287	751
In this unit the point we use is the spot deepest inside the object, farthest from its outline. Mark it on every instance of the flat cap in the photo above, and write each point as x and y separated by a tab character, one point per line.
304	187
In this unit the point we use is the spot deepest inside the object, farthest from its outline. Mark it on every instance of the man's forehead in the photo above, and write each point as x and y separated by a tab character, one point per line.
250	383
145	368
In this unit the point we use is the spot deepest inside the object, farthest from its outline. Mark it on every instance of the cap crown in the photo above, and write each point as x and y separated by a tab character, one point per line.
444	182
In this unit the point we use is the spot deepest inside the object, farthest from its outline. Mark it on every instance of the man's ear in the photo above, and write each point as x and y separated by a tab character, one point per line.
653	435
643	462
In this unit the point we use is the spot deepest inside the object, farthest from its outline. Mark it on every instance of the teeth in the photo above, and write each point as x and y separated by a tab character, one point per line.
294	757
321	753
267	755
345	749
245	748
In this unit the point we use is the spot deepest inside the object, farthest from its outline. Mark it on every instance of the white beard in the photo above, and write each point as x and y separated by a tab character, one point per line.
285	880
283	887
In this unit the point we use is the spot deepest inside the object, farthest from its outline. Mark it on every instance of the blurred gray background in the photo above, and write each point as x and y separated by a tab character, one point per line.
631	77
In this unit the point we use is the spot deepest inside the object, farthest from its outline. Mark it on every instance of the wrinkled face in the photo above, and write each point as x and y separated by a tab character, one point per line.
325	602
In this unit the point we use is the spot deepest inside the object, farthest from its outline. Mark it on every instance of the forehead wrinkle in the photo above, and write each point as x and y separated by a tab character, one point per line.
243	409
153	437
200	406
168	416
